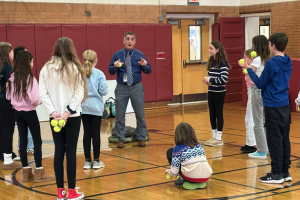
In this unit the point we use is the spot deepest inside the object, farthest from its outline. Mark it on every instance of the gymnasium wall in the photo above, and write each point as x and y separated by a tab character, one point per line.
20	12
142	2
105	39
284	17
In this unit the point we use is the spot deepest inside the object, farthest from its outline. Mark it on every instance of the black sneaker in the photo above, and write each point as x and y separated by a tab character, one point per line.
248	149
179	182
286	177
271	178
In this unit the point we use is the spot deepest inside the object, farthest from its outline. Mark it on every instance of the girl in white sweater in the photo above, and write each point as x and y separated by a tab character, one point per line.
62	88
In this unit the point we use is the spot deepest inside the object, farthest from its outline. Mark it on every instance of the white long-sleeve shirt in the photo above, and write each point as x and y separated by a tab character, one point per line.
55	92
297	100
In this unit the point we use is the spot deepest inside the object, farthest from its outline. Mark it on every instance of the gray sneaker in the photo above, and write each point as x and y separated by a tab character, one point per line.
87	165
98	165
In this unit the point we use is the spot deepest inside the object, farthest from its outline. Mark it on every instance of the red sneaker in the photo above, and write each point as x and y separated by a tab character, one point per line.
61	194
74	194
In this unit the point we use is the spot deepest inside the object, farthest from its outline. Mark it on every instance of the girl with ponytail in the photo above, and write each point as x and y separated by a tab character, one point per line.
92	109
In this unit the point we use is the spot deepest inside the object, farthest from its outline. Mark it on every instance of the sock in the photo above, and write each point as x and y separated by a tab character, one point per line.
26	167
96	159
219	135
39	168
7	158
88	159
214	133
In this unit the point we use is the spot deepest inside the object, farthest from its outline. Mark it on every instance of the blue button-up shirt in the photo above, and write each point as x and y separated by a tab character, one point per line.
136	67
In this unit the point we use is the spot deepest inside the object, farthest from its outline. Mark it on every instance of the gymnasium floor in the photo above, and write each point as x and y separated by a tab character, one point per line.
138	173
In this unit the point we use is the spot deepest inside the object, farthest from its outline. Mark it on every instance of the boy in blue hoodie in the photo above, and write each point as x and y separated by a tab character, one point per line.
274	85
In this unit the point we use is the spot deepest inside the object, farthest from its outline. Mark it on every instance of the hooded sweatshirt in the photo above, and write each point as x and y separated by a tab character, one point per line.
274	81
32	100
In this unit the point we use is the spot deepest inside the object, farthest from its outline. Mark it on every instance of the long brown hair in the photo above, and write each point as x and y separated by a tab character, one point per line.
64	50
185	134
89	56
5	49
23	77
220	56
261	46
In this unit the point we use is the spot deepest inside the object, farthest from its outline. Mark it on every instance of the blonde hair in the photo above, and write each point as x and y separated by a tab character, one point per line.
4	43
65	50
248	53
89	57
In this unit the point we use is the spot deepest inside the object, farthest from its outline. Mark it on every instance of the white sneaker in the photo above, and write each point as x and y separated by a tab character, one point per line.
98	165
87	165
17	158
215	142
208	141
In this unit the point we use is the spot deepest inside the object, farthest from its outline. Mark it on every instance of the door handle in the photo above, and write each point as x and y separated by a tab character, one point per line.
184	63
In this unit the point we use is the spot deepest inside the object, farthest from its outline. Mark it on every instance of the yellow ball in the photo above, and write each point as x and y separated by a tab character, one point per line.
245	71
253	54
54	122
299	108
168	177
61	123
56	129
120	64
242	61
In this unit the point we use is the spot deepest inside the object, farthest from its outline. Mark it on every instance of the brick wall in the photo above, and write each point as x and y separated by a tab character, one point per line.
284	17
20	12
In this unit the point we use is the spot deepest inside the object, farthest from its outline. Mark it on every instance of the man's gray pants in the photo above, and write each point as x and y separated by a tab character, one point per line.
136	95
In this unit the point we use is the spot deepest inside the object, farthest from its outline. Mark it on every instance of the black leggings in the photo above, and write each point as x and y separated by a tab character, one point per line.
91	127
24	120
66	141
7	120
215	104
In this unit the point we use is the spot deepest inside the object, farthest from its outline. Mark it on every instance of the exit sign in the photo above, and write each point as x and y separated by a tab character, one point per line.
193	2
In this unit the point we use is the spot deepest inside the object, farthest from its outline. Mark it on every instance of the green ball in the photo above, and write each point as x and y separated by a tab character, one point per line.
299	108
253	54
168	177
61	123
56	129
54	122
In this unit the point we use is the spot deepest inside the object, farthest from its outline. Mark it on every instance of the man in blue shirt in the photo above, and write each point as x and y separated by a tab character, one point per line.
128	63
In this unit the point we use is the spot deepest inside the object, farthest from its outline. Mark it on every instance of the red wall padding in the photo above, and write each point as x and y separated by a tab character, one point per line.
98	40
145	42
2	33
45	38
164	72
105	39
79	36
215	32
23	35
294	83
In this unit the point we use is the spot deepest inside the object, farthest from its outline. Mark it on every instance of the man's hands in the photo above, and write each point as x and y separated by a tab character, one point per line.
143	62
118	63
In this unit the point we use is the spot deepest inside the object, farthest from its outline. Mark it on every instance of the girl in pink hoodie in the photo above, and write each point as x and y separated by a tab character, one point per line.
22	90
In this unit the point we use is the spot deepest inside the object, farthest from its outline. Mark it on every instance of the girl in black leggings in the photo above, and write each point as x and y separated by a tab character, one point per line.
23	93
7	117
62	89
216	80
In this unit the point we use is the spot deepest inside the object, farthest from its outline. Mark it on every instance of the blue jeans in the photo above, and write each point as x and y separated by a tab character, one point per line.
30	142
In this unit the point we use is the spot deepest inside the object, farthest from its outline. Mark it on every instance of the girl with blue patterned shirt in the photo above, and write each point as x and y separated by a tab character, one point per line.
216	80
187	159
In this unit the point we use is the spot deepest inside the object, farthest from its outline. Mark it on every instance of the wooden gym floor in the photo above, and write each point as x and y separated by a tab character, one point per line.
138	173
